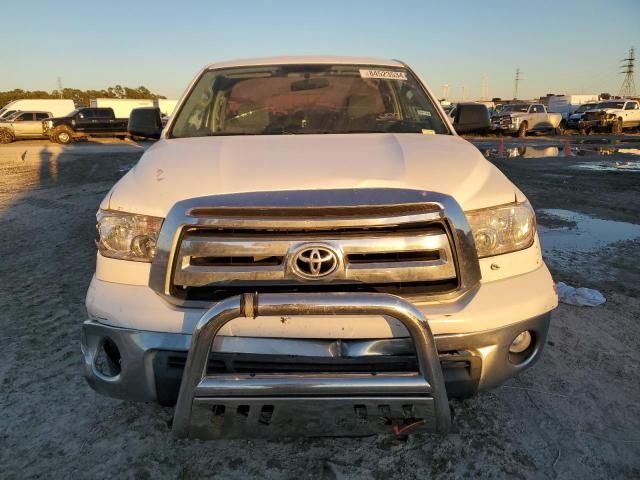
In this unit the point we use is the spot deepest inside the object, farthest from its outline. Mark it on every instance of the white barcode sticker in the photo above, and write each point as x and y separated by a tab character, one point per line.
390	74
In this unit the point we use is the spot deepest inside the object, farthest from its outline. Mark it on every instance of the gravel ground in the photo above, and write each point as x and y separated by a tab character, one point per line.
574	415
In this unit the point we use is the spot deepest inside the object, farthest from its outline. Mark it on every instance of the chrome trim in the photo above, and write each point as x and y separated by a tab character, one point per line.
222	385
313	347
274	245
195	378
302	210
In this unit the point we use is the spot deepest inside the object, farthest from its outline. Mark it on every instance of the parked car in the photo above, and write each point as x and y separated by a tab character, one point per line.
574	118
22	125
57	107
522	118
83	123
477	118
612	115
311	249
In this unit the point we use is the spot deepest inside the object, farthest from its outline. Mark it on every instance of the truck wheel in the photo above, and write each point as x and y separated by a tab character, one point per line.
561	128
616	127
63	135
5	136
522	130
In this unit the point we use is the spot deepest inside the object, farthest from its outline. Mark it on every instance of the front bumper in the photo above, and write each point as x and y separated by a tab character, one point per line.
597	124
151	363
511	128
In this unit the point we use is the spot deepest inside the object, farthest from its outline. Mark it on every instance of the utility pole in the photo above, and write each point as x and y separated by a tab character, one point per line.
485	87
463	89
517	81
445	91
60	87
628	88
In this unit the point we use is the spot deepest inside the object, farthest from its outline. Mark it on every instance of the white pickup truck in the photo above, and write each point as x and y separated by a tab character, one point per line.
612	115
523	118
310	248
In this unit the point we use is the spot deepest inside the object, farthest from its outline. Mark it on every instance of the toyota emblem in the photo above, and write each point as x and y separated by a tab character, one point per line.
315	262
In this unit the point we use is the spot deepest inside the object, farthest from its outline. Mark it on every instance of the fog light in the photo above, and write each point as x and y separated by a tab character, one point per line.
107	361
521	342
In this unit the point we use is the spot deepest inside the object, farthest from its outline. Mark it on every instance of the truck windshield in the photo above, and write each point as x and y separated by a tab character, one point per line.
307	99
585	107
516	107
611	105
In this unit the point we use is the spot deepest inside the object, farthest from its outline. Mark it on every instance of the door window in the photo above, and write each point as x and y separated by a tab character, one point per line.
25	117
631	106
42	116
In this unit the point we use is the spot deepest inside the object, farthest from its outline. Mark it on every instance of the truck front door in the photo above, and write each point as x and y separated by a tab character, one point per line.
631	115
538	117
85	121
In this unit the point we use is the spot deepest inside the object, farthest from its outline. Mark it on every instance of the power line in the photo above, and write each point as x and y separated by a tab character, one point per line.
445	91
485	87
628	88
517	81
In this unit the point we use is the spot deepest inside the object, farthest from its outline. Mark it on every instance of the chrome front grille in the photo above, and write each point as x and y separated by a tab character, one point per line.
407	242
215	258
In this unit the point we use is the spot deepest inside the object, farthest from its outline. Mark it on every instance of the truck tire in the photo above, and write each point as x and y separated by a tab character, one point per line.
522	130
561	128
63	135
616	127
5	136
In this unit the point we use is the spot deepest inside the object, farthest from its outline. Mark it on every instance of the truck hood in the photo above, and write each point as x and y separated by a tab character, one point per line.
178	169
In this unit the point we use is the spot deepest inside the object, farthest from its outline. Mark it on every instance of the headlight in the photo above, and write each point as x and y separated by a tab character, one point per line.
127	236
515	120
502	229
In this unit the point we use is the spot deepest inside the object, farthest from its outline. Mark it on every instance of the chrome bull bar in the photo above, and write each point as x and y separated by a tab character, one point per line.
227	405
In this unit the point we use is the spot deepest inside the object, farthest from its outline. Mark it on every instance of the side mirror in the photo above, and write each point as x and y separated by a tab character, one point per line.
145	122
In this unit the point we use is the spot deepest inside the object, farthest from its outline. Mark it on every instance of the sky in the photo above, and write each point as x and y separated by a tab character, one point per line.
561	46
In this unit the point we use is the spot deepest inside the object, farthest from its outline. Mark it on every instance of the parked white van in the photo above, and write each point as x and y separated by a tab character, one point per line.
55	106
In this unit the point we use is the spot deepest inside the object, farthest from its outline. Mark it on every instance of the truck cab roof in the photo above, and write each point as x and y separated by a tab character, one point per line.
313	59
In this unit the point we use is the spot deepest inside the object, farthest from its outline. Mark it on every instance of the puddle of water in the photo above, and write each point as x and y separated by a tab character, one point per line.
545	151
633	166
588	234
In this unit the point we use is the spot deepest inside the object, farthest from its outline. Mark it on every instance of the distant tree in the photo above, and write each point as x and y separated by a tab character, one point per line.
80	97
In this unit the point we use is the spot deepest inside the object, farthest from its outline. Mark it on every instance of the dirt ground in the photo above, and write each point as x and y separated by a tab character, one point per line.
575	414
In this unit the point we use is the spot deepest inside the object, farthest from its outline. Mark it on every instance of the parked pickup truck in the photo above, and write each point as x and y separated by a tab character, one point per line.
22	125
85	122
311	249
521	118
612	115
574	118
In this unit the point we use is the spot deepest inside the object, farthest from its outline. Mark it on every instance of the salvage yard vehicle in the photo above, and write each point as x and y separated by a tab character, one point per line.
83	123
522	118
477	119
311	249
22	125
56	106
574	118
612	115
